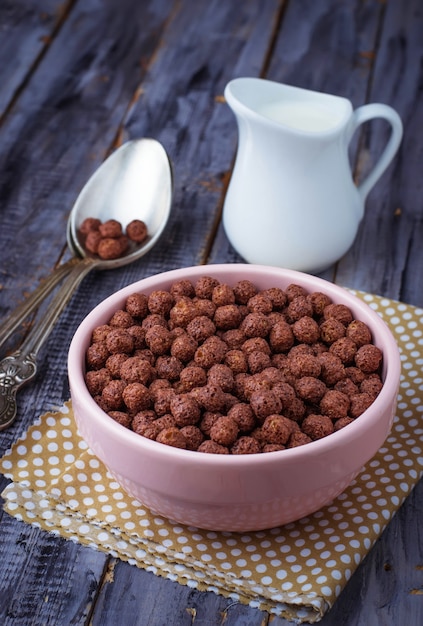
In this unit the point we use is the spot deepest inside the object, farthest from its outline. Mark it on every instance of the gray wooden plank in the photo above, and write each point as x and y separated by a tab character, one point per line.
27	29
391	234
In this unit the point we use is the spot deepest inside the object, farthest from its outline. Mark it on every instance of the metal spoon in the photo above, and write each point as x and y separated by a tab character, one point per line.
134	182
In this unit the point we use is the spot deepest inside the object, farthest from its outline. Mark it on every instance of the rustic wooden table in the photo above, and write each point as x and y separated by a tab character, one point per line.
77	78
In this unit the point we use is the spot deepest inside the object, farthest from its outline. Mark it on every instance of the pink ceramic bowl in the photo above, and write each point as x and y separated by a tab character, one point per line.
227	492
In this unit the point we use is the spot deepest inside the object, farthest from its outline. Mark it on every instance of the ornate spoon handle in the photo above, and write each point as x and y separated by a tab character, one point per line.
15	319
20	367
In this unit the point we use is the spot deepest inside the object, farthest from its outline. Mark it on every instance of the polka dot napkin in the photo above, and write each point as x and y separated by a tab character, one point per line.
296	571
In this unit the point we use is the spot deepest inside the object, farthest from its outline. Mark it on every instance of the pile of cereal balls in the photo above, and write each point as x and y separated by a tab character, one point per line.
108	239
233	369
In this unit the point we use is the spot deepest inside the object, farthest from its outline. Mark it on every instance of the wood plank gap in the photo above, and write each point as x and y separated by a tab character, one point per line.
361	139
274	36
64	14
226	177
106	577
121	133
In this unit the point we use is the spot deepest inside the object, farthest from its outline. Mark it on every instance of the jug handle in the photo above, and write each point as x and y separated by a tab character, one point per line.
366	113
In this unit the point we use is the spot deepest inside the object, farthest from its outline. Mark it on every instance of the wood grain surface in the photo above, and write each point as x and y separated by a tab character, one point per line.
81	76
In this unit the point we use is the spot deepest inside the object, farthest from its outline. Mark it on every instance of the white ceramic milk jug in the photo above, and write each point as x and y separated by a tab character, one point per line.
291	201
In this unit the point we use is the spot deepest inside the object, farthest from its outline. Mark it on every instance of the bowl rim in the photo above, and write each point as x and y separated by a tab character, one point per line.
79	343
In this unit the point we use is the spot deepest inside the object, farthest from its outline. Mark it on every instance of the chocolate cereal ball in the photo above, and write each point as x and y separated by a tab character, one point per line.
222	376
157	384
169	367
135	369
237	361
345	348
331	330
92	240
256	344
234	338
227	316
162	398
359	332
172	436
160	301
368	358
222	294
304	365
183	287
212	351
200	328
299	307
310	389
260	303
246	445
182	312
335	404
332	368
298	438
207	421
96	355
372	385
340	312
153	319
342	422
193	436
276	429
192	376
100	333
114	362
258	361
210	397
121	319
243	415
224	431
119	340
281	338
255	325
244	290
212	447
185	409
294	291
137	305
137	231
136	397
183	347
138	335
111	248
317	426
110	228
159	339
318	301
204	307
265	402
306	330
359	403
89	224
112	395
277	296
121	418
96	380
204	287
347	387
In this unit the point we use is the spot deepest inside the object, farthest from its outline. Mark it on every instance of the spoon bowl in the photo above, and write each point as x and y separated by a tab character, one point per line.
134	182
